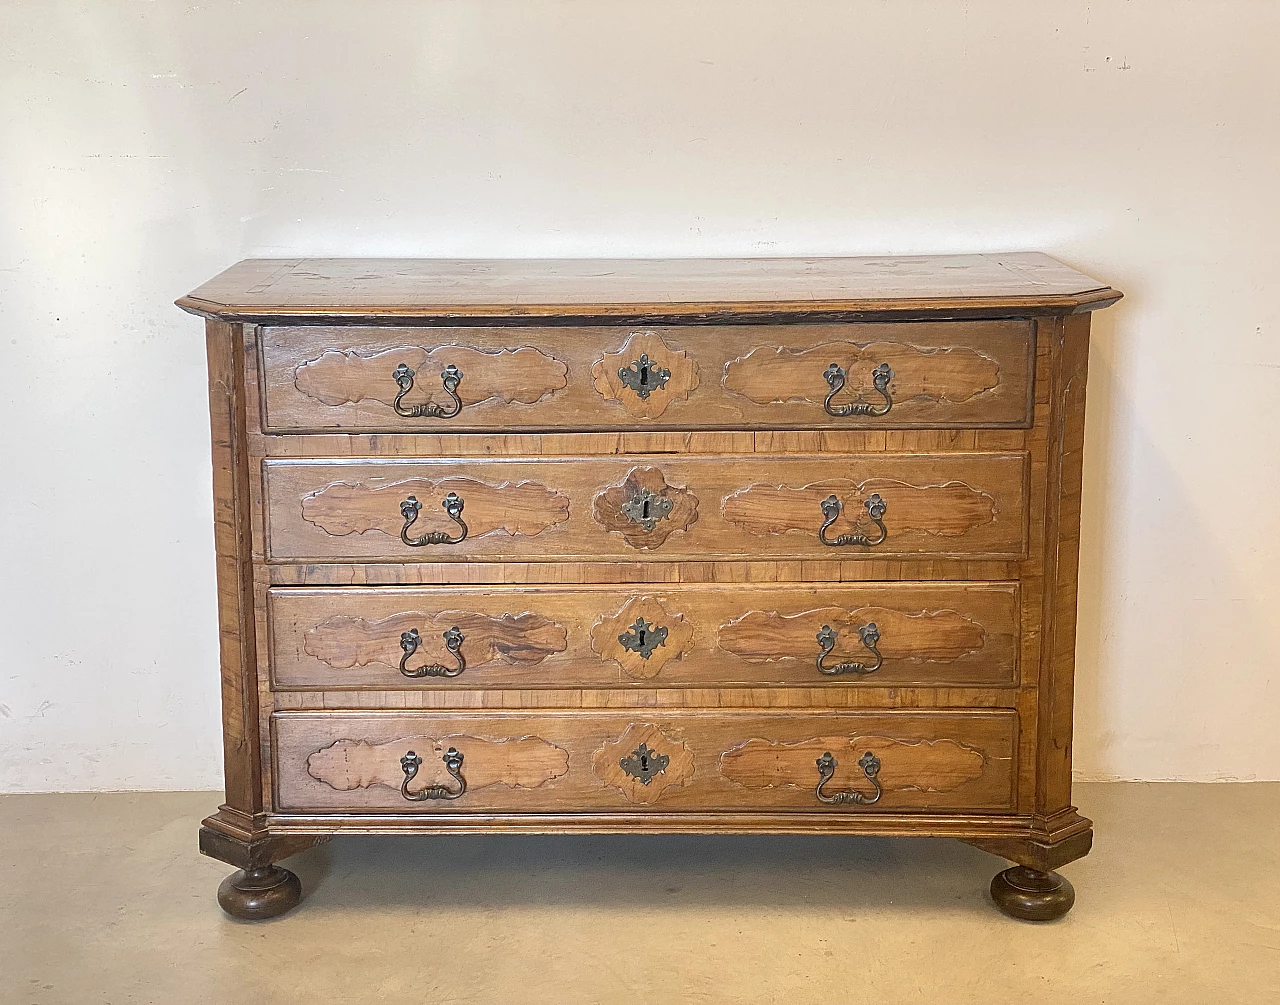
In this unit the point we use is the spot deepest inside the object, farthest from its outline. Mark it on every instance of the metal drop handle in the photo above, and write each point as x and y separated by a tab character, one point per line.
453	639
410	508
870	765
831	509
450	378
870	636
836	376
410	764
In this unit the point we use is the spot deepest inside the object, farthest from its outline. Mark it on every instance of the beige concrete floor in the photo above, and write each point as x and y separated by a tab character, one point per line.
104	899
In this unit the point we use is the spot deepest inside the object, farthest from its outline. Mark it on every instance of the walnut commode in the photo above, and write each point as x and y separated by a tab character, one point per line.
718	546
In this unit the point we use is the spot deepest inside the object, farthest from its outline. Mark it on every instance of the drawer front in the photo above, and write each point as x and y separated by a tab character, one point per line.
921	374
673	761
887	634
681	508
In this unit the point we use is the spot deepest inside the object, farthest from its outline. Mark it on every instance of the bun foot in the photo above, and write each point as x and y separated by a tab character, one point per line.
258	894
1032	895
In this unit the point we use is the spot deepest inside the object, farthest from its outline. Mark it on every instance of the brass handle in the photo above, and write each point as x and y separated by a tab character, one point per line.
870	636
410	508
450	377
410	764
836	376
870	765
453	639
831	509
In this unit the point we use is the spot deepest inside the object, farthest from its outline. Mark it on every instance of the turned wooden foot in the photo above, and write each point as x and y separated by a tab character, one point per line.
257	894
1032	895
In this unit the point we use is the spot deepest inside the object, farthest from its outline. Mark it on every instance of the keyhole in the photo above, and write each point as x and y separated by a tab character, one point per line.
644	374
642	636
644	510
644	762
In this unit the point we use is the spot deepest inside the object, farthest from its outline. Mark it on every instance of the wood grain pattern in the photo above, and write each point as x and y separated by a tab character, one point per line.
942	505
521	375
749	635
608	508
605	635
937	636
1069	348
233	544
927	765
444	291
776	374
523	639
607	763
694	740
681	370
344	507
949	509
636	570
975	606
524	762
655	695
949	374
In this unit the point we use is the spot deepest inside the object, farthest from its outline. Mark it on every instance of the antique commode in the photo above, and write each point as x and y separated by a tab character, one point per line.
771	545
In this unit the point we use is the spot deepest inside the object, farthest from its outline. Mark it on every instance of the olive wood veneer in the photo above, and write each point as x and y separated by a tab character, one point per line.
713	546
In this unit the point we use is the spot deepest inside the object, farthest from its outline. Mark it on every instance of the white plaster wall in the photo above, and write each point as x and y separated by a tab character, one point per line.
146	145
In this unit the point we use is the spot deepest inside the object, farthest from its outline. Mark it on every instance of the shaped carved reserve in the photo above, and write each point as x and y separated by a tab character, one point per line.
922	765
643	763
646	375
642	637
508	376
952	509
929	636
524	639
519	762
374	504
644	509
775	374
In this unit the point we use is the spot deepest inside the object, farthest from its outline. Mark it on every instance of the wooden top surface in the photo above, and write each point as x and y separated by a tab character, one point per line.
390	290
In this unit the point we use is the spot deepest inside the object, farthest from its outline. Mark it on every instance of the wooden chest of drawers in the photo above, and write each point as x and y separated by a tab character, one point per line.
782	546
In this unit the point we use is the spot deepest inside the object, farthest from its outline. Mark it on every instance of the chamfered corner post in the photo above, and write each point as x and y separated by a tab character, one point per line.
236	833
1032	890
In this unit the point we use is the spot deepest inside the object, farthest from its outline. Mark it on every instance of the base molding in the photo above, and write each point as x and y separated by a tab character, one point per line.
1052	842
244	841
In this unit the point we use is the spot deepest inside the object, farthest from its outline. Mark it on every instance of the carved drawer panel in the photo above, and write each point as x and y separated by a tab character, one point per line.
672	508
501	637
678	761
891	375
